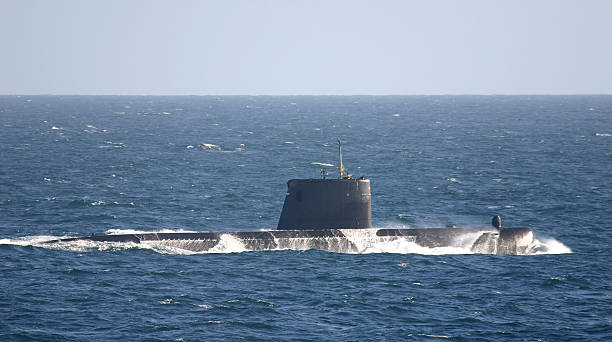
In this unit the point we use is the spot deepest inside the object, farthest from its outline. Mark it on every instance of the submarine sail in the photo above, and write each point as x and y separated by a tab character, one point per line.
326	204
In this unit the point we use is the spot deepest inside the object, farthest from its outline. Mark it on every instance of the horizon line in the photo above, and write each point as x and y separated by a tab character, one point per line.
339	95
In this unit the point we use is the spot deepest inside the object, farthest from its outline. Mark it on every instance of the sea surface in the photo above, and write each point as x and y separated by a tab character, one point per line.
77	165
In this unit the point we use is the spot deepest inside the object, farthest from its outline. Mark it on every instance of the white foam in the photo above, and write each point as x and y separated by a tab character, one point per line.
161	248
135	231
603	135
74	246
322	164
402	246
548	245
362	239
228	244
29	240
465	241
91	246
366	242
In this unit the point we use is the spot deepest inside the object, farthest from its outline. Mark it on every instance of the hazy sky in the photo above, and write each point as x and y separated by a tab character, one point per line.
305	47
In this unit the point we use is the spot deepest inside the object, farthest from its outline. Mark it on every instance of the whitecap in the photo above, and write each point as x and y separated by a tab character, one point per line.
206	146
435	336
322	164
110	144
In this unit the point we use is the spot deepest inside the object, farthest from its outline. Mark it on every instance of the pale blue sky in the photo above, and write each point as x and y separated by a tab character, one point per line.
305	47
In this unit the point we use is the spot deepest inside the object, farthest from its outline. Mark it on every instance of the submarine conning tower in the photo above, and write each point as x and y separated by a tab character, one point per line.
342	203
327	204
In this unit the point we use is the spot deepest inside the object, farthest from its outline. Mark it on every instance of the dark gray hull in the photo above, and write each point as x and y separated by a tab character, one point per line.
474	240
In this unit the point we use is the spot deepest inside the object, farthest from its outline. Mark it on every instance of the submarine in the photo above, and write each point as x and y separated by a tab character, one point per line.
334	215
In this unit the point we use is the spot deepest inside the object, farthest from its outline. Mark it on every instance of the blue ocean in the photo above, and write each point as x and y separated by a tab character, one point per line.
82	165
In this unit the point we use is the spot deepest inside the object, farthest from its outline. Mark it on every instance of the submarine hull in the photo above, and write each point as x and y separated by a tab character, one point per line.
333	215
473	240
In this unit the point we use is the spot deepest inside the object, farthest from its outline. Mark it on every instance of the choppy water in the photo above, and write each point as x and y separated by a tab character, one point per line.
82	165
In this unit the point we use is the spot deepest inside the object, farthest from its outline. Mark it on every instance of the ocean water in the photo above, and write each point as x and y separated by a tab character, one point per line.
77	165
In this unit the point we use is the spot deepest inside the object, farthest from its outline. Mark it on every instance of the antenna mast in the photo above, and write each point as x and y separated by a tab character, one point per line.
340	153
